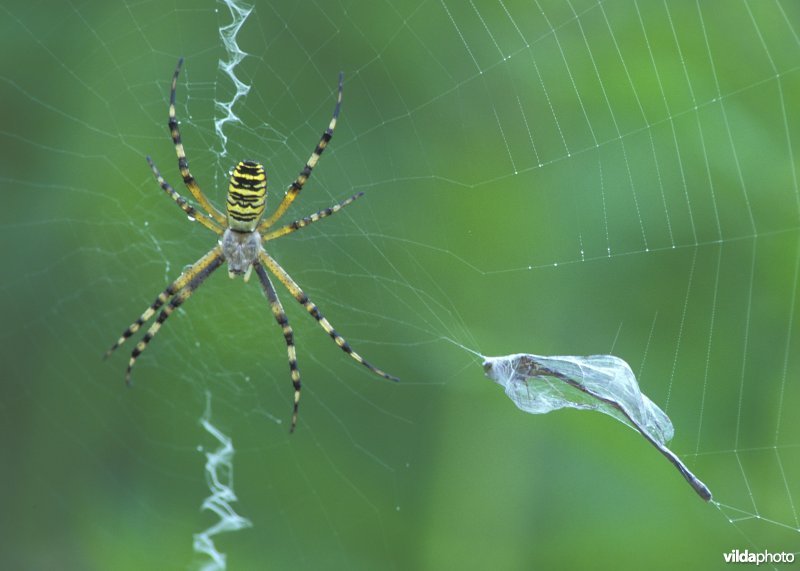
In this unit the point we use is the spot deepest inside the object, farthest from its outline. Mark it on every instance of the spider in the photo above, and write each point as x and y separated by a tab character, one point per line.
242	234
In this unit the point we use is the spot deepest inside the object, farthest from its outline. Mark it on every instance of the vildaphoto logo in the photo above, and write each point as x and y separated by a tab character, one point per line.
757	557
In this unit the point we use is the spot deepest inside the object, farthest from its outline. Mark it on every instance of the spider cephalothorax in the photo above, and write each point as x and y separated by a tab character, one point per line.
241	250
242	235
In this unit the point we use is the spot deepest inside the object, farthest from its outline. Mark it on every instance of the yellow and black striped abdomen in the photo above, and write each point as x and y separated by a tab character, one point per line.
247	196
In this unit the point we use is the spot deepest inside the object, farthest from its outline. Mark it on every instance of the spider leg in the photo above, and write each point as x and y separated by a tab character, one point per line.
200	276
183	163
311	307
297	185
163	297
190	210
280	316
303	222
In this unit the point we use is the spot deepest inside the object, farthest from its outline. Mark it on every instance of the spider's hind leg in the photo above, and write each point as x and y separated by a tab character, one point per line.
183	162
302	178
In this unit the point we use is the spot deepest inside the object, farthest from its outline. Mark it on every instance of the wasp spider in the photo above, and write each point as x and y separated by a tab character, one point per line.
242	234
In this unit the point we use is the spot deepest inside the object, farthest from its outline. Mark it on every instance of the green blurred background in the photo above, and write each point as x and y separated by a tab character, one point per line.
549	177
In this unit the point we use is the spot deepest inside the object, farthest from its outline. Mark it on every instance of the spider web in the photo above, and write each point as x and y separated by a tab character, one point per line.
573	177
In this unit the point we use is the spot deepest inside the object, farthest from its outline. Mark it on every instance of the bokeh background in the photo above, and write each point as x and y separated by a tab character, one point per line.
553	177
